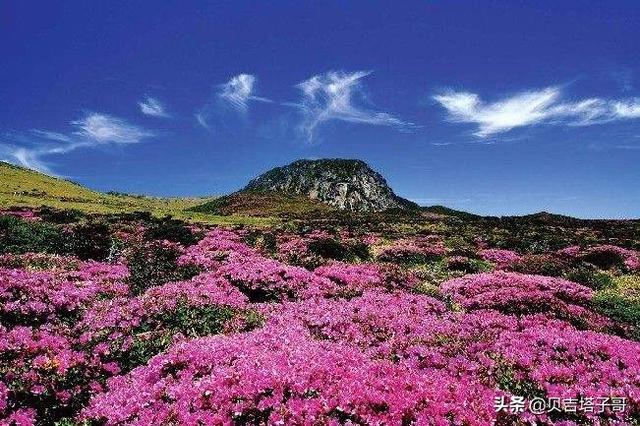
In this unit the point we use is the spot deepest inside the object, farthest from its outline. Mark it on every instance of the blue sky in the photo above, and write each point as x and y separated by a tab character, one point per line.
489	107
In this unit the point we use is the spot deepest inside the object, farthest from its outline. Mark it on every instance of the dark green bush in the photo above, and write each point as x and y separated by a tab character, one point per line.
604	259
154	264
189	321
620	309
540	264
466	265
171	230
52	215
590	276
359	251
19	236
91	240
328	249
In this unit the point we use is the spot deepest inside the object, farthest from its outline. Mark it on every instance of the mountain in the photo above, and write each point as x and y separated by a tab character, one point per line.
340	183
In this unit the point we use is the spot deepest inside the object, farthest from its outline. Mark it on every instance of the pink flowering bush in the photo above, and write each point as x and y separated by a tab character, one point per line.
131	330
501	258
368	321
44	376
513	293
604	256
230	329
570	253
282	377
565	363
263	279
34	296
258	277
295	251
418	250
352	280
210	252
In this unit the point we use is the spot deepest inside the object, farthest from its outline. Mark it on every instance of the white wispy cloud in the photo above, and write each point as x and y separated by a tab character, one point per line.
54	136
237	91
102	128
202	120
94	129
628	109
234	95
25	157
530	108
331	96
153	107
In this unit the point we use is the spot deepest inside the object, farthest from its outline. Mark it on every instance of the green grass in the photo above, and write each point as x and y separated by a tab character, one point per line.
21	187
621	302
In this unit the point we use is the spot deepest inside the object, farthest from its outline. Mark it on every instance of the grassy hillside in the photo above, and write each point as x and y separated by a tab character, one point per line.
21	187
257	203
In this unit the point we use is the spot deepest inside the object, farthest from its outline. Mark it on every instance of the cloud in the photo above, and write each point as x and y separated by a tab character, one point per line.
530	108
201	119
54	136
152	107
25	157
237	91
235	95
628	109
94	129
102	128
330	96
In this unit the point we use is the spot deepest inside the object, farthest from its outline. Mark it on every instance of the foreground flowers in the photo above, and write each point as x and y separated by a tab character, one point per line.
252	339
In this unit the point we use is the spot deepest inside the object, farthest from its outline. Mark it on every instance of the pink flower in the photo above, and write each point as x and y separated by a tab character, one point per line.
502	258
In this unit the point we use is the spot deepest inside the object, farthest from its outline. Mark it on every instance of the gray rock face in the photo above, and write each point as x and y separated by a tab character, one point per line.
344	184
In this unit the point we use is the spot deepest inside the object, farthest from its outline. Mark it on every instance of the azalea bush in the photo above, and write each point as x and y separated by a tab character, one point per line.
605	256
35	297
500	258
521	294
418	250
351	280
318	247
172	323
283	378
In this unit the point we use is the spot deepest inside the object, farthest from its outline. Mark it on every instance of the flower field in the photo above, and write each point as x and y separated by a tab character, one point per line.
131	320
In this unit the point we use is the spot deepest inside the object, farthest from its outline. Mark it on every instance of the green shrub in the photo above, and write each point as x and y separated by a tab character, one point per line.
620	309
51	215
189	321
540	264
359	251
18	236
589	276
328	249
153	264
171	230
91	240
604	259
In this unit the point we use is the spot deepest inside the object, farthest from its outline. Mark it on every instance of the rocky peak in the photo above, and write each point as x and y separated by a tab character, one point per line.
344	184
